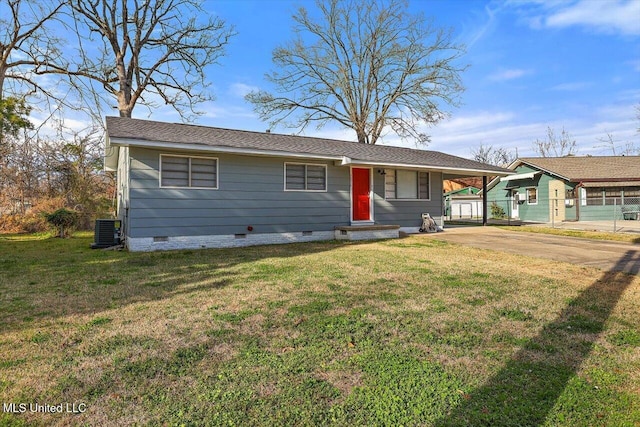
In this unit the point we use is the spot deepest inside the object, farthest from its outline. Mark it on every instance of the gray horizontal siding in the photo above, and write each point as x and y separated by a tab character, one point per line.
261	201
407	213
250	193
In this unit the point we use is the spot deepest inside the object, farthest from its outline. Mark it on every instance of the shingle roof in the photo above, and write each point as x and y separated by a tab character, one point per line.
122	131
591	168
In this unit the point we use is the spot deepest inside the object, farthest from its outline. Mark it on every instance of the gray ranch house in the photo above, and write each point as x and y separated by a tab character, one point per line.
187	186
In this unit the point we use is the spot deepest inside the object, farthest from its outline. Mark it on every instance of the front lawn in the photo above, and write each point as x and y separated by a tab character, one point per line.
401	332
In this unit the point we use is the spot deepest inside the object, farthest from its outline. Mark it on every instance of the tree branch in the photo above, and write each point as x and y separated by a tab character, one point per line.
370	66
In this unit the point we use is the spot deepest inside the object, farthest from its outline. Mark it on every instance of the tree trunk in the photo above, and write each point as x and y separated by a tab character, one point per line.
363	138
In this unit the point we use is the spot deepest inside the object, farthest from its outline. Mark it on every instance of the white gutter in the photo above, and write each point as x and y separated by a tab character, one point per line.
110	159
528	175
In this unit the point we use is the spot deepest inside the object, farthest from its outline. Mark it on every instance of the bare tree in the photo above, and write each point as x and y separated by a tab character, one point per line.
67	168
494	156
556	146
368	65
146	52
19	175
618	148
77	162
27	42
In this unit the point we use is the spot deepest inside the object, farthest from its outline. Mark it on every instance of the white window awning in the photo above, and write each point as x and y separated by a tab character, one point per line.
528	175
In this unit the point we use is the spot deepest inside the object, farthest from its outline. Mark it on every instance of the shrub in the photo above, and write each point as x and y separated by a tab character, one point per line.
33	220
497	211
63	219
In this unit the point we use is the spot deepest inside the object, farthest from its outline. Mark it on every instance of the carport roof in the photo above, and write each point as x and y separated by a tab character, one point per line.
184	137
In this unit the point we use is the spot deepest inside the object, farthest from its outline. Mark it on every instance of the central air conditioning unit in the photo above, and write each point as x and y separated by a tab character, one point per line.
107	233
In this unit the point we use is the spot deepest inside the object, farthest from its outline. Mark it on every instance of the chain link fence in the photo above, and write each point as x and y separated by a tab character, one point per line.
602	213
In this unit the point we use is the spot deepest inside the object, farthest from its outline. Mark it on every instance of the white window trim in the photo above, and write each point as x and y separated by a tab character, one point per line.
188	187
326	177
417	177
527	195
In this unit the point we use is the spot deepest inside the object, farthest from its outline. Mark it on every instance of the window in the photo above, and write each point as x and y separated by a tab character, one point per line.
532	196
594	196
613	195
406	184
189	172
305	177
570	193
631	192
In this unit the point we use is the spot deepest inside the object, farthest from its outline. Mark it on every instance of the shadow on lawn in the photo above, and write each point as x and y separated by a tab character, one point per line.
526	389
53	278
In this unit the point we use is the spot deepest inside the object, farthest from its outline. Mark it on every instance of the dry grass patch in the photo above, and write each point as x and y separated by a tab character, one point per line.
585	234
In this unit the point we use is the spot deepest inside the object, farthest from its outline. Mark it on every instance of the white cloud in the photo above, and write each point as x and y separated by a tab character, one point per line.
508	74
460	134
611	16
513	131
572	86
329	132
473	122
478	32
516	132
240	90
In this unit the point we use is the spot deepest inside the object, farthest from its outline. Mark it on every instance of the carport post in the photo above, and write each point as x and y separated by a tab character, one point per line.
484	200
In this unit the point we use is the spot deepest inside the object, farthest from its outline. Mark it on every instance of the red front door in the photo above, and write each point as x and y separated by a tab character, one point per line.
360	194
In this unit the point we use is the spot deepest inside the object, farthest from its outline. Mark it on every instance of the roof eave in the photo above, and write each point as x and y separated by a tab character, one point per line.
131	142
604	179
435	168
339	160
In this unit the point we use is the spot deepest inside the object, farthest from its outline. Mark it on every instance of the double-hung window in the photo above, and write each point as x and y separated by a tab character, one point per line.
188	172
594	196
532	196
406	184
613	195
305	177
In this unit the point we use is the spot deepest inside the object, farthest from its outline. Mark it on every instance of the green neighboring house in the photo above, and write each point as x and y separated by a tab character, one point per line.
546	189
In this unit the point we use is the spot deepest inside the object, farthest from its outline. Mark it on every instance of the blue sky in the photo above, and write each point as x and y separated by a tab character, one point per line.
533	64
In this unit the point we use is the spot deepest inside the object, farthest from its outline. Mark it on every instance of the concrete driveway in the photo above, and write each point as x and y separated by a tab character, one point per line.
606	255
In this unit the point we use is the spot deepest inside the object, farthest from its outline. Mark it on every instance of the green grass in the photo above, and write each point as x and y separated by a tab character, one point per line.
401	332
